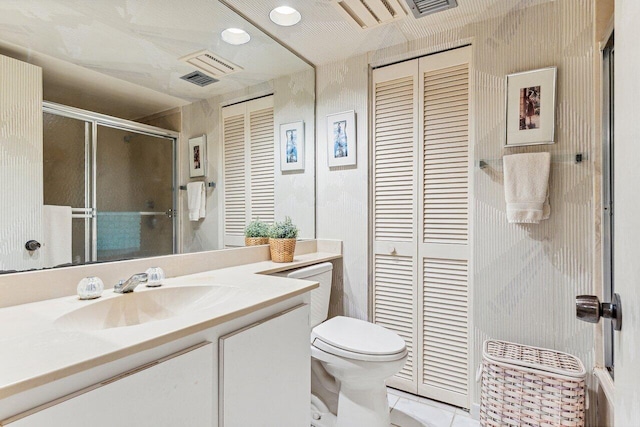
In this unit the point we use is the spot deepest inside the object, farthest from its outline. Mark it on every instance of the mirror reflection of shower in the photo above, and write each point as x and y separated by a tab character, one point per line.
117	186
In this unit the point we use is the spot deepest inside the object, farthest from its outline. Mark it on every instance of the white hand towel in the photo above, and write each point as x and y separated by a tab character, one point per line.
203	201
56	221
196	200
526	187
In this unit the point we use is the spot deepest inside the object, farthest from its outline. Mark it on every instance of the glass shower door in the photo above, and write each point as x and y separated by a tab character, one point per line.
67	159
134	195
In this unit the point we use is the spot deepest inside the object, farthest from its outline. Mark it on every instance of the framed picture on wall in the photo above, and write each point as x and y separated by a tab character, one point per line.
341	139
292	146
197	156
531	107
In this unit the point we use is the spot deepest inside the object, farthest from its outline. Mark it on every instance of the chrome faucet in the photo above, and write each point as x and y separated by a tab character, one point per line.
126	286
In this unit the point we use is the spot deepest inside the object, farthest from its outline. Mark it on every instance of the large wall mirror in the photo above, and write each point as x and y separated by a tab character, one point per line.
126	85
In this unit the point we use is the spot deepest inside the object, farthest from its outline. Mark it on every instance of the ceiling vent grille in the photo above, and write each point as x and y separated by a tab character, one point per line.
199	78
211	64
422	8
371	13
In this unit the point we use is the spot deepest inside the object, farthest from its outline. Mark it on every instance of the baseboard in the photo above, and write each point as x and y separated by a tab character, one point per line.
475	411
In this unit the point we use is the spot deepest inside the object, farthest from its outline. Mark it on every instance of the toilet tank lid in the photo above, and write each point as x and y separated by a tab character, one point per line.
358	336
312	270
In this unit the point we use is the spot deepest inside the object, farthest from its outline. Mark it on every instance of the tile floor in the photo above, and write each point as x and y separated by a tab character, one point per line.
408	410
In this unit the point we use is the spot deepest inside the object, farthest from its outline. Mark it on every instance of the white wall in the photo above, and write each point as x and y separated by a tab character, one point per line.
21	184
525	278
342	192
294	192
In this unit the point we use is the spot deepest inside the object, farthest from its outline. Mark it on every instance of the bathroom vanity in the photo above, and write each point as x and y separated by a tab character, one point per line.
223	347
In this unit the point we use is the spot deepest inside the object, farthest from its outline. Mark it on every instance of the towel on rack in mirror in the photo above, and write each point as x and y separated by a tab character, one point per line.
196	200
526	187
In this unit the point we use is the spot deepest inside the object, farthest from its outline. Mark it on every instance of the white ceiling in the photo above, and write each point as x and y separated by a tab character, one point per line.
121	57
141	41
325	36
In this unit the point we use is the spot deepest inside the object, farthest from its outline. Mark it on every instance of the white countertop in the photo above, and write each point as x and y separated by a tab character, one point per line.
36	351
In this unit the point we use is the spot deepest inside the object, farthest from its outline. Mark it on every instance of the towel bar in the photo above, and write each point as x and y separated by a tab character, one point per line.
207	184
574	158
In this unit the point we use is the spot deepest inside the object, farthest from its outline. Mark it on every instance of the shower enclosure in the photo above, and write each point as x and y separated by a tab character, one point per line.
117	176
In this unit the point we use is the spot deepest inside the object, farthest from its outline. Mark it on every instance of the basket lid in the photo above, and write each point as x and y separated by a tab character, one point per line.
538	358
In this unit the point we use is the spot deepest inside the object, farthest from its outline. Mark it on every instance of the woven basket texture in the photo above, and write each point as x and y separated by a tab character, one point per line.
254	241
530	386
282	249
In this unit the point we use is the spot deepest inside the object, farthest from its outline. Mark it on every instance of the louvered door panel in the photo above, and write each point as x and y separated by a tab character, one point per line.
394	181
444	241
393	305
234	176
394	160
445	316
249	171
262	165
446	155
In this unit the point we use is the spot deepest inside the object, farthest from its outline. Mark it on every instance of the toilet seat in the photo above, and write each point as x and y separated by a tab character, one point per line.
359	340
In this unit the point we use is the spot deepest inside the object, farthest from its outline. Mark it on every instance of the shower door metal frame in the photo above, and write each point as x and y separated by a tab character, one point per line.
91	145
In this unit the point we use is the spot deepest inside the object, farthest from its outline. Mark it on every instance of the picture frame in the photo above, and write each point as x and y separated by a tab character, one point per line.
531	107
341	139
197	156
292	146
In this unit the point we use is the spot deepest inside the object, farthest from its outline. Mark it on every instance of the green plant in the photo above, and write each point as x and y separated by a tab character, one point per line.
283	230
257	228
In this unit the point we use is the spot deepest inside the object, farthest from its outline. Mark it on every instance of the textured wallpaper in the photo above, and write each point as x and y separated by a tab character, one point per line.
523	278
294	192
20	164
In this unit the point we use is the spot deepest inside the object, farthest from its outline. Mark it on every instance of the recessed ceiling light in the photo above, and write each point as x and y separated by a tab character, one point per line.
285	16
235	36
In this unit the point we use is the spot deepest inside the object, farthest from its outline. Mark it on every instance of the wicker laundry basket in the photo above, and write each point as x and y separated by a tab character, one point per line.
530	386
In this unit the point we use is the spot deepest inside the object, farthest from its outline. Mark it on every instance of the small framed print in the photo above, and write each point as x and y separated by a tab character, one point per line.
197	156
531	107
292	146
341	139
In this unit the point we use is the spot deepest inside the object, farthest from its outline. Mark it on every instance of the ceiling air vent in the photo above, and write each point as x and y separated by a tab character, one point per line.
199	78
371	13
211	64
422	8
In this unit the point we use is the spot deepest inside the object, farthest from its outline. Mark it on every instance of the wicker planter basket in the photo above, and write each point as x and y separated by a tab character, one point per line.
253	241
282	249
530	386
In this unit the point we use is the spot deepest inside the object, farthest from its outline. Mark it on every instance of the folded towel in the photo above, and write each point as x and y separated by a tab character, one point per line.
526	187
56	221
118	234
196	200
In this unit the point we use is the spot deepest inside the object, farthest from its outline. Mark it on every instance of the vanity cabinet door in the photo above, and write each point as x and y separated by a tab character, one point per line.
265	373
174	391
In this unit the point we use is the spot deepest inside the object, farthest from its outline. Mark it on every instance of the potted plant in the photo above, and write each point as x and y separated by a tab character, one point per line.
282	240
256	233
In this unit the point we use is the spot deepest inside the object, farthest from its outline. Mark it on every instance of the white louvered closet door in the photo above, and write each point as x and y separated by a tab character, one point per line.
443	250
395	116
421	219
249	166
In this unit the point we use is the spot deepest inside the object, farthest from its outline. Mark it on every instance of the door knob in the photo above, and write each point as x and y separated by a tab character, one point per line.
32	245
590	309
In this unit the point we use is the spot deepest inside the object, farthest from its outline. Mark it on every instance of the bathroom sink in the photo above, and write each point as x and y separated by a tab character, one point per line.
145	306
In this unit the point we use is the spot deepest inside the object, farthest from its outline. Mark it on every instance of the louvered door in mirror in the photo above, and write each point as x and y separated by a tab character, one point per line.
249	166
420	215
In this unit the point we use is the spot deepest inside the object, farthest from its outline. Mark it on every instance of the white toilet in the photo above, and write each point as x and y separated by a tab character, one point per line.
351	359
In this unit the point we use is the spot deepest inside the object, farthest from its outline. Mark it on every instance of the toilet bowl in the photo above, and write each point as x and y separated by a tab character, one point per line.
360	356
351	359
